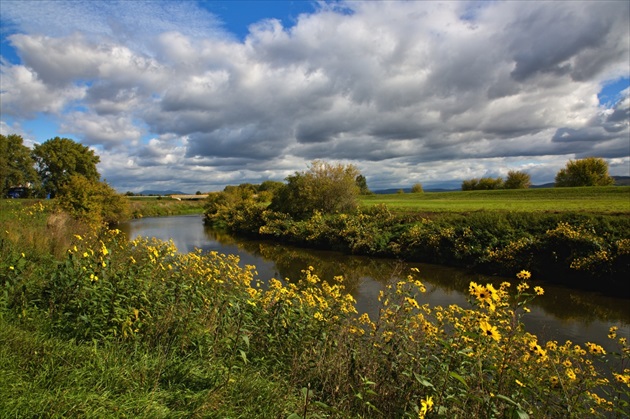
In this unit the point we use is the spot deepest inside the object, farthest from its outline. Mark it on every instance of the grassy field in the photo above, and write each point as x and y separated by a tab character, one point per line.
154	206
604	200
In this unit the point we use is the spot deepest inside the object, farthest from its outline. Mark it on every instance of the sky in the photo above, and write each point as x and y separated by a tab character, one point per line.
197	95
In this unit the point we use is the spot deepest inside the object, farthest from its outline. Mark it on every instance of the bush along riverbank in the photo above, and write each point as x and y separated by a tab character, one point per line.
95	325
574	249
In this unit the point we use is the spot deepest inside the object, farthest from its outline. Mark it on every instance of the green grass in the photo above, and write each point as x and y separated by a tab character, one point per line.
157	207
44	376
604	200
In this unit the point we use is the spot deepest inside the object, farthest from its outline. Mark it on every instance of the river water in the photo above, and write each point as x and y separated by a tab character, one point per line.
561	314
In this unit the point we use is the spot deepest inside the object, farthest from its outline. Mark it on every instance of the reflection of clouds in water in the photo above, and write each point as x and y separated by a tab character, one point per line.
560	314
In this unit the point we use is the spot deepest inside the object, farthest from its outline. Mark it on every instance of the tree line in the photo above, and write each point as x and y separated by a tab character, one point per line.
60	168
590	171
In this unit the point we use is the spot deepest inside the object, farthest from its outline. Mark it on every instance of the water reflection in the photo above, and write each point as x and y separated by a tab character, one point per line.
560	314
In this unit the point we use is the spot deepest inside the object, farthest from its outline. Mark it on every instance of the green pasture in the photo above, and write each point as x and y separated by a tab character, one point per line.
606	200
153	206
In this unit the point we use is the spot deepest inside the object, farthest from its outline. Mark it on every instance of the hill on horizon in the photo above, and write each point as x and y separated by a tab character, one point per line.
156	192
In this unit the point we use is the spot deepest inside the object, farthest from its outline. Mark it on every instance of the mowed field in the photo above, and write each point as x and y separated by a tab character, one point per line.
602	200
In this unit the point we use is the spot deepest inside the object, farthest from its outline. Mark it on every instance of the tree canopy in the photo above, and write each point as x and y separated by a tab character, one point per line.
16	163
92	201
325	187
590	171
517	180
482	184
60	158
362	184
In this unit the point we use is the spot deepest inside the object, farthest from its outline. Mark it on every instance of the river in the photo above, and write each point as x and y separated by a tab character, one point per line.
561	314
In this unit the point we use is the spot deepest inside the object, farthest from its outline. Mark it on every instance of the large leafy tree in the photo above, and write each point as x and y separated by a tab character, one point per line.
16	165
325	187
591	171
58	159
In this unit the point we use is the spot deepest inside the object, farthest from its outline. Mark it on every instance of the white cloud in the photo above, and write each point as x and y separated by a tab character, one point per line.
409	91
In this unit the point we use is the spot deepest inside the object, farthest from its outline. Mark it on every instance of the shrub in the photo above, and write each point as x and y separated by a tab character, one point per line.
482	184
417	188
591	171
517	180
325	187
92	201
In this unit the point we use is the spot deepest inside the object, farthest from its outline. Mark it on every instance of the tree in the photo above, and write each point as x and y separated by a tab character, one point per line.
362	184
325	187
517	180
268	189
16	164
58	159
417	188
482	184
591	171
92	201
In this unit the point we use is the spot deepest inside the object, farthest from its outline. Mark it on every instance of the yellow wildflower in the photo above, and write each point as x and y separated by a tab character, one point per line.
412	302
595	349
612	332
524	275
426	407
489	330
522	287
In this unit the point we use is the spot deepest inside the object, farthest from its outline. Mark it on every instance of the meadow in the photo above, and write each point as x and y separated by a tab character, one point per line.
153	206
93	325
595	200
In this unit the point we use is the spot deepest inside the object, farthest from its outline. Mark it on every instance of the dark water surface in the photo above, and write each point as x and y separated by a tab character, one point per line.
560	314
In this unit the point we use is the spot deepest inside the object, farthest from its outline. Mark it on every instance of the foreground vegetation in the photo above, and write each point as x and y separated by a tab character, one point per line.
93	325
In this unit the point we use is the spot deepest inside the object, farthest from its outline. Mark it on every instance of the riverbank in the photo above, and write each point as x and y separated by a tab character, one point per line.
587	250
94	325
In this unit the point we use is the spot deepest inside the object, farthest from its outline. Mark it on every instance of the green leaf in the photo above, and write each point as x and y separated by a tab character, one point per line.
243	355
307	393
506	399
522	414
422	380
458	378
246	340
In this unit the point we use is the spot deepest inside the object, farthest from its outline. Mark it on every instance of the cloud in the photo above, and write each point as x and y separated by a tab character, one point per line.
409	91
